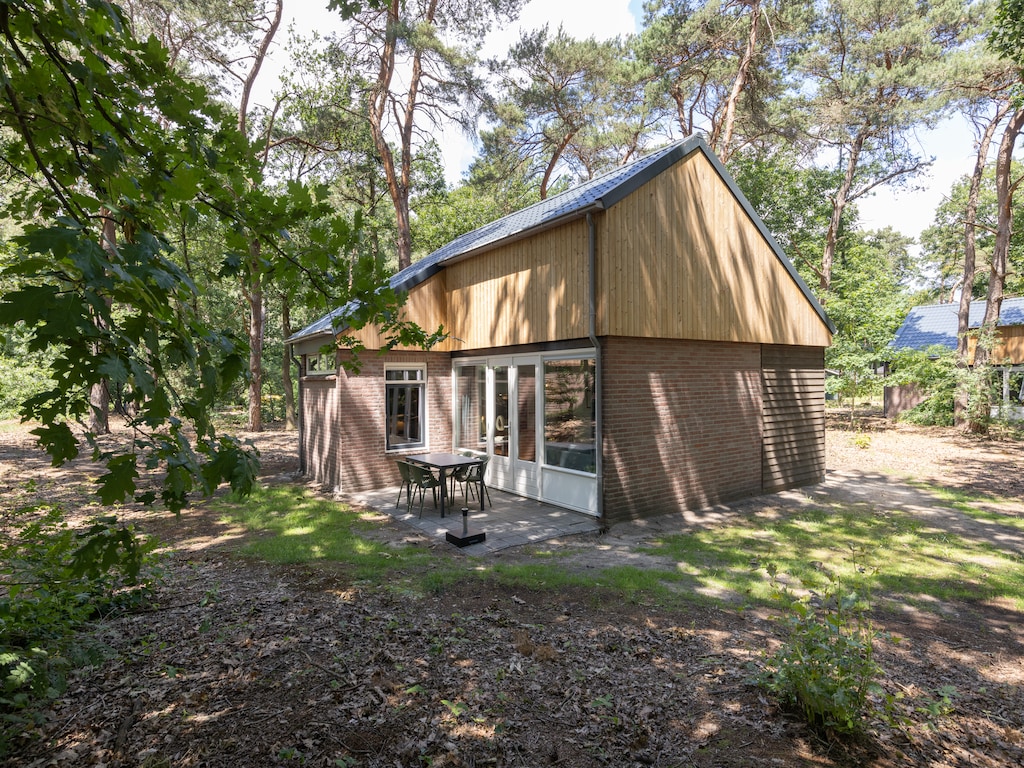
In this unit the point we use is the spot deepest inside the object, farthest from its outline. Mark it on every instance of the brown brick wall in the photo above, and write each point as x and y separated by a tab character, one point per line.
344	422
682	425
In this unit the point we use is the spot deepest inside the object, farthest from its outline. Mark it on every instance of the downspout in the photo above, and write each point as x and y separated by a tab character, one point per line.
598	368
299	416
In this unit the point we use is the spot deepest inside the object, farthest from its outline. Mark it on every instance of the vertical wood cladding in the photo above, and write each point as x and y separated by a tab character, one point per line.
680	258
793	416
681	425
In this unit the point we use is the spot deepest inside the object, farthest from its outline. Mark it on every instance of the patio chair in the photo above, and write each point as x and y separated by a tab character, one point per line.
422	478
403	470
469	477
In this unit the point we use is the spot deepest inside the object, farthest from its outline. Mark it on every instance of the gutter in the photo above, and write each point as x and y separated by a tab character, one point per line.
598	365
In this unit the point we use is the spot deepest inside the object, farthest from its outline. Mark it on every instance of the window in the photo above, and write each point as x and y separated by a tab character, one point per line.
471	408
321	364
404	398
569	422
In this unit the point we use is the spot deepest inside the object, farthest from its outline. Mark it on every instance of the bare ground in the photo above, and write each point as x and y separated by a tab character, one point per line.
241	663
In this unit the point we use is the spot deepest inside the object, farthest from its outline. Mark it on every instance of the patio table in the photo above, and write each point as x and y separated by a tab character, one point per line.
443	462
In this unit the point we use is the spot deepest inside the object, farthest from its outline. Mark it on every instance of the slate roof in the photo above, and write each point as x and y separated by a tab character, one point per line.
933	324
597	194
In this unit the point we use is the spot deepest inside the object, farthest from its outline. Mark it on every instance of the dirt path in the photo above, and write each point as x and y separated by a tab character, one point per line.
241	663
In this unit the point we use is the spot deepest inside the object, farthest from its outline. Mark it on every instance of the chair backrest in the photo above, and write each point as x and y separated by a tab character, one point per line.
404	469
420	475
476	471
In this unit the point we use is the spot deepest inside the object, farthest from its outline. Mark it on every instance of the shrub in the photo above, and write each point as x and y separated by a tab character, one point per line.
53	579
825	667
19	380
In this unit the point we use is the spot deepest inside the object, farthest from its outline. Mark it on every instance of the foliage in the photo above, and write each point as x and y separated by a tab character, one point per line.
566	109
934	373
53	578
104	131
1008	32
826	666
867	303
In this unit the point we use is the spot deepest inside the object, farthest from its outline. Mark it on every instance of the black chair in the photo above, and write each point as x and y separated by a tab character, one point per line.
422	478
403	469
470	476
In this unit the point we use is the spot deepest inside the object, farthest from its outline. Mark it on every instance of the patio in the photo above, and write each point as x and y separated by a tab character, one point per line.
510	521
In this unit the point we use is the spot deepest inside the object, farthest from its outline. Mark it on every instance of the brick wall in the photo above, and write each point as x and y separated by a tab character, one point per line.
344	421
682	425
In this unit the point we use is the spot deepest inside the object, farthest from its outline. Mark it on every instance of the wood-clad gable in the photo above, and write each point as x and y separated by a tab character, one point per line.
680	258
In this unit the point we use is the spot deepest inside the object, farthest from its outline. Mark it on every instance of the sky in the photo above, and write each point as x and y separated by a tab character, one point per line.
908	210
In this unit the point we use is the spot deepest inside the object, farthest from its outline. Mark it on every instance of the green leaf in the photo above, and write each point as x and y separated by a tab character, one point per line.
118	483
58	441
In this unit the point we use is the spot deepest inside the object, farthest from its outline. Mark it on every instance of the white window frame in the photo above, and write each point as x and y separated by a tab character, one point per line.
316	364
421	384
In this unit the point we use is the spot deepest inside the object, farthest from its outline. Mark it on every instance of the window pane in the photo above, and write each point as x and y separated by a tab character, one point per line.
569	424
526	388
501	427
471	407
403	402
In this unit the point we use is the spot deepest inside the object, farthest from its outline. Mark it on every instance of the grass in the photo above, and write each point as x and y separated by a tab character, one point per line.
965	502
885	552
295	527
889	553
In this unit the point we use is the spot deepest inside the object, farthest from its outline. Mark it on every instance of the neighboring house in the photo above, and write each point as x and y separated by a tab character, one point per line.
637	345
936	325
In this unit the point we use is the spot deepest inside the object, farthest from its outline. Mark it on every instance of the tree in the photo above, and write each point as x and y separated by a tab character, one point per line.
417	58
566	105
870	73
96	120
867	302
722	63
99	123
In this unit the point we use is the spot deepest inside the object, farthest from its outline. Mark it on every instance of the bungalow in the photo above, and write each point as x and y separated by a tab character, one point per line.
634	346
936	325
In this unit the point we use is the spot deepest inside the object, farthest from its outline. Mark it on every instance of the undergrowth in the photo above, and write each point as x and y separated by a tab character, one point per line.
825	668
54	579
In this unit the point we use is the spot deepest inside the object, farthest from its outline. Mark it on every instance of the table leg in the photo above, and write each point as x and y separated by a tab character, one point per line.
481	490
444	490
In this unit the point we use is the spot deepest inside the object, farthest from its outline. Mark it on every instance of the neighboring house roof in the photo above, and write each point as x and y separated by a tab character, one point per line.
590	196
933	324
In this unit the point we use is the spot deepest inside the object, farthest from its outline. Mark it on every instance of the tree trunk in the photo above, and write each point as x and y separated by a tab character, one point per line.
838	207
1005	188
252	283
960	401
252	289
740	82
399	179
286	366
99	394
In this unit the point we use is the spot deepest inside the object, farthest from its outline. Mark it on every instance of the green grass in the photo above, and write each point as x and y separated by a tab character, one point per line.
967	503
888	553
292	526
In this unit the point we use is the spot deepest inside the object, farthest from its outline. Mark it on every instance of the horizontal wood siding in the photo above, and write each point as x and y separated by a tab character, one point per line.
679	258
793	416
